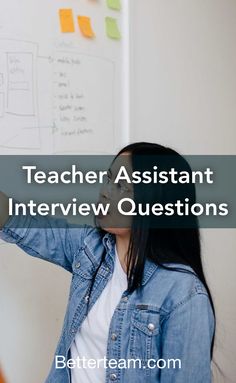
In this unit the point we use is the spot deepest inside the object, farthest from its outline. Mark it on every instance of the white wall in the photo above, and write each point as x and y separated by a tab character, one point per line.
33	296
183	76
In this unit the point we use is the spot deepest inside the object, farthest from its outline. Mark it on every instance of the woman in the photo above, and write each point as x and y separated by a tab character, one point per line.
139	307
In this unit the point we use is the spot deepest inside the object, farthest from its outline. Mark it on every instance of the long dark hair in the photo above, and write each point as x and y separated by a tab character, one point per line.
163	245
178	244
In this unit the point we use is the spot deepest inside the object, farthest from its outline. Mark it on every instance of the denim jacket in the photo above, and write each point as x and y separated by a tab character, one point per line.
168	319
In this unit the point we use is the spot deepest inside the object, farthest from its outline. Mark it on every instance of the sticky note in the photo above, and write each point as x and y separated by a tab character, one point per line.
114	4
66	20
112	28
85	26
2	380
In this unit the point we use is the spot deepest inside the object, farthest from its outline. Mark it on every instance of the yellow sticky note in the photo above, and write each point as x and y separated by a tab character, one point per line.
114	4
66	20
85	26
112	28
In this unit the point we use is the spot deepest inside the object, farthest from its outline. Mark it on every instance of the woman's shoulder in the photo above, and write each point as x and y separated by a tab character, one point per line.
176	284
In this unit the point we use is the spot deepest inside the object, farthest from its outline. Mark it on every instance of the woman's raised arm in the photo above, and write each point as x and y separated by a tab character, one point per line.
53	240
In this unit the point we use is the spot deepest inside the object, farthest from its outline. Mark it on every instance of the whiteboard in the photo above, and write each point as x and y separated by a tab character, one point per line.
62	92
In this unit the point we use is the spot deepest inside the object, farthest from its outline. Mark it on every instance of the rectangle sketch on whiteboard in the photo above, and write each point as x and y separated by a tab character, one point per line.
20	91
83	103
18	84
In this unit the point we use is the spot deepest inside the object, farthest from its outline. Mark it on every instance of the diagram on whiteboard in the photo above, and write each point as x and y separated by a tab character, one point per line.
66	99
18	94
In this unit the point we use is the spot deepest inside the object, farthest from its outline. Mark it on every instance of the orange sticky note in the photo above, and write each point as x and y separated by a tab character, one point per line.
2	380
66	20
85	26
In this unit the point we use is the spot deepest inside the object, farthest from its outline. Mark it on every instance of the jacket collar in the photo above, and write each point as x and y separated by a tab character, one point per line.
109	241
149	267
